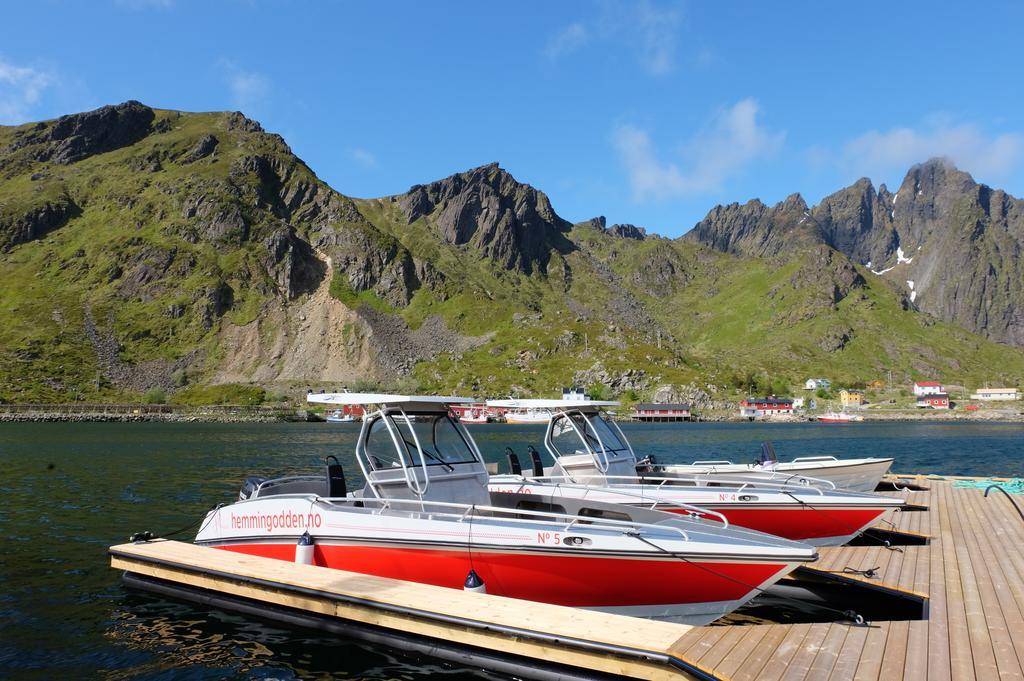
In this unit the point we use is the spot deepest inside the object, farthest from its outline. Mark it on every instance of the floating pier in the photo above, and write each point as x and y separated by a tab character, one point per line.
960	558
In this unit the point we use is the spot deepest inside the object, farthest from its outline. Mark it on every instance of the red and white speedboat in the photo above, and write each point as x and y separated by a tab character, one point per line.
594	460
426	515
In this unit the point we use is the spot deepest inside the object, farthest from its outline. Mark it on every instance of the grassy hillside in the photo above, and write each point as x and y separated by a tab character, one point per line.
143	266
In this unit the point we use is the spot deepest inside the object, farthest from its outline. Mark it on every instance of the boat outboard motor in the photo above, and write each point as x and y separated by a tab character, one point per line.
648	464
335	478
768	457
249	487
513	462
538	465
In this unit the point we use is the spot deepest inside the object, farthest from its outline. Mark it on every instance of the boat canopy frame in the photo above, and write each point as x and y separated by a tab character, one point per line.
409	466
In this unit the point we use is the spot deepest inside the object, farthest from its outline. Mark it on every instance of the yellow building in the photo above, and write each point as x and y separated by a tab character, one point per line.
851	398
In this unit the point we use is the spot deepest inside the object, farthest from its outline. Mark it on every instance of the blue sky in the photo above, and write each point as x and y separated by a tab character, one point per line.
645	112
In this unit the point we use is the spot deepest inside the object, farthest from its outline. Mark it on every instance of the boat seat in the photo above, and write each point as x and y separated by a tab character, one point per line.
335	478
538	465
767	453
513	462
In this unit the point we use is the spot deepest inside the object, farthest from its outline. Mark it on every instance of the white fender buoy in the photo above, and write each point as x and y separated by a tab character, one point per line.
474	583
304	550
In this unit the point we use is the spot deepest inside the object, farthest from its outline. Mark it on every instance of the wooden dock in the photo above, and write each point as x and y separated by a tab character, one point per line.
971	573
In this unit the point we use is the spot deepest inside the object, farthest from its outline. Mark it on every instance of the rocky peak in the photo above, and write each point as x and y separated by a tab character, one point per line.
627	231
74	137
510	222
950	245
755	229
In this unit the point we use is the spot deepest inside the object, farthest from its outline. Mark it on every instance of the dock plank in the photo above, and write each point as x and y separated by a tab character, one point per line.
741	653
823	663
203	567
811	646
1001	610
767	647
961	658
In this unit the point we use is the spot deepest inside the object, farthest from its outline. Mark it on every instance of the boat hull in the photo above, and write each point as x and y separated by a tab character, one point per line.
527	420
856	476
817	526
674	589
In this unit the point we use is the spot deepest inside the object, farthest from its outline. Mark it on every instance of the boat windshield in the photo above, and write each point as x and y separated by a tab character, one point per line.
594	429
442	443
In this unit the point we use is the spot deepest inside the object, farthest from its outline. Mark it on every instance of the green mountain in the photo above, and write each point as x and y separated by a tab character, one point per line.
195	254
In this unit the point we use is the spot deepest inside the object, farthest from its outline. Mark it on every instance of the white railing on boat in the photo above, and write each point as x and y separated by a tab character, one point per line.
813	458
692	510
471	510
737	485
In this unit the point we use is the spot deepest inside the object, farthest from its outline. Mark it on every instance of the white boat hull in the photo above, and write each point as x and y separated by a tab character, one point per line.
857	475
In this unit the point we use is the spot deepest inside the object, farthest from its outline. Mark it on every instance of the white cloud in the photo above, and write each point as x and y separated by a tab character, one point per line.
654	32
647	28
364	158
879	153
249	90
20	90
733	140
568	40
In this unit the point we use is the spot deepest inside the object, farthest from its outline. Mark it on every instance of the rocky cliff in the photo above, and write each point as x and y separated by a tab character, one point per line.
951	245
510	223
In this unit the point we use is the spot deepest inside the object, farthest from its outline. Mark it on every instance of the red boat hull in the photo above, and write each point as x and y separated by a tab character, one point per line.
581	581
799	524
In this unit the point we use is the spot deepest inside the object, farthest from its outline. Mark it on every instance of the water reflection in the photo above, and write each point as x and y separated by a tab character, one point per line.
215	643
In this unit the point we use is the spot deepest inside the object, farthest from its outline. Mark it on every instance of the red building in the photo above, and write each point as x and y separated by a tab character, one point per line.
661	412
765	406
354	410
934	401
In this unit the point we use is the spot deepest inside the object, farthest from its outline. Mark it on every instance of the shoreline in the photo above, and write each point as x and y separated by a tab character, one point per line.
225	414
76	413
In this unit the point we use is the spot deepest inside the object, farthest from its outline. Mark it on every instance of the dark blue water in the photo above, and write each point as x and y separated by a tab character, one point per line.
65	613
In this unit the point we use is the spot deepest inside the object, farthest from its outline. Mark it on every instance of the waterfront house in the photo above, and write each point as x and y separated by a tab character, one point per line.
933	401
575	394
995	394
798	403
851	398
649	411
818	384
765	406
922	388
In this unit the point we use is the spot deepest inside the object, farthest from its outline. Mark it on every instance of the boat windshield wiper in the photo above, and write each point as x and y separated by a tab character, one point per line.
430	455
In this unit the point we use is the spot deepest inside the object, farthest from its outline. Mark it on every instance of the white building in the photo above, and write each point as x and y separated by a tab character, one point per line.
922	388
798	403
817	383
575	394
993	394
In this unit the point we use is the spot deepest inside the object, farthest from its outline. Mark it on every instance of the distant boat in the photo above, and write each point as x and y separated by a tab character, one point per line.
529	416
338	416
471	413
839	417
